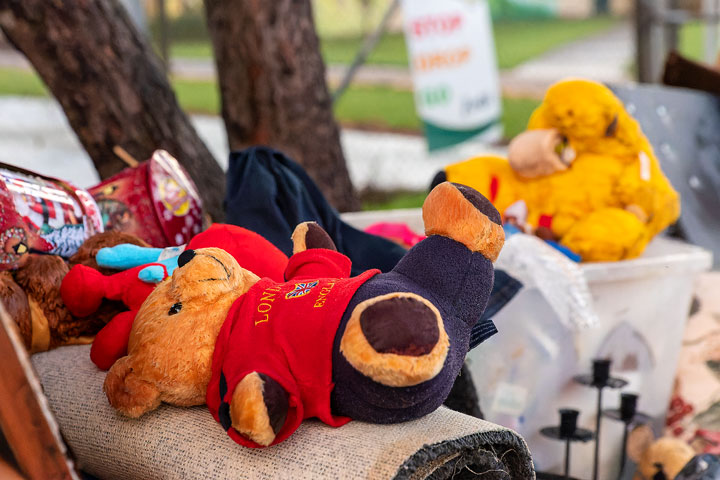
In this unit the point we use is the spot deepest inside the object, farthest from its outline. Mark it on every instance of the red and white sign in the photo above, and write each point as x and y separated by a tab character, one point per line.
452	58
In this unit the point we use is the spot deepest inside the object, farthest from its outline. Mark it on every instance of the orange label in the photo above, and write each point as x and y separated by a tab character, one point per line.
434	61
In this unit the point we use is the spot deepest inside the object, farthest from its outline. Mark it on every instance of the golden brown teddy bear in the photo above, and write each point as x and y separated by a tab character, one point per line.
587	175
657	456
150	374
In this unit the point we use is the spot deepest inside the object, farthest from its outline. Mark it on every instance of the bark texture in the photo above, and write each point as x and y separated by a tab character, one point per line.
111	86
272	82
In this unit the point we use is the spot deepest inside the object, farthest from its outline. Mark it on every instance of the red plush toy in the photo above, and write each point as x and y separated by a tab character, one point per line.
84	288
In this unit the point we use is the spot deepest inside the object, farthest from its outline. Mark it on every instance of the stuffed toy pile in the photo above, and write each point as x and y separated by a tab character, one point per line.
265	354
583	174
84	289
32	295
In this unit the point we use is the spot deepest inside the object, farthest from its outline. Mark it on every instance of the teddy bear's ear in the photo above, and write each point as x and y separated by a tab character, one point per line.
309	235
639	440
128	392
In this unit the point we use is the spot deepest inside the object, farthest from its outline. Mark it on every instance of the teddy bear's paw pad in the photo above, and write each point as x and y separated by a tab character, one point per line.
309	235
258	408
396	339
463	214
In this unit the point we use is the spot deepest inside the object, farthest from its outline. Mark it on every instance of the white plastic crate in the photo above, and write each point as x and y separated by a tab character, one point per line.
524	373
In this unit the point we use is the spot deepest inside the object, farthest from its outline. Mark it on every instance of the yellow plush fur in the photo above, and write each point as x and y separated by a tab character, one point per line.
611	200
673	454
248	411
667	454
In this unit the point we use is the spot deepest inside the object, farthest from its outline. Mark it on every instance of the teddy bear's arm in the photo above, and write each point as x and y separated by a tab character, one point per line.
259	408
84	288
111	342
128	392
644	190
608	234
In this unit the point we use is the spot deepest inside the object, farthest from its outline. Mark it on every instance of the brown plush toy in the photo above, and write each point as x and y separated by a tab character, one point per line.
656	457
31	295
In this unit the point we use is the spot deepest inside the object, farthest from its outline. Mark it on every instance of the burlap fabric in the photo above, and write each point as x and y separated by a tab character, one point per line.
176	443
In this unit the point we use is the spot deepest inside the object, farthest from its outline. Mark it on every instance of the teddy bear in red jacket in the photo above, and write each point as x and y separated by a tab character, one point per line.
264	355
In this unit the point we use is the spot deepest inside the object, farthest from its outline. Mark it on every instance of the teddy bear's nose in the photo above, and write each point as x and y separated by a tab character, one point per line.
185	257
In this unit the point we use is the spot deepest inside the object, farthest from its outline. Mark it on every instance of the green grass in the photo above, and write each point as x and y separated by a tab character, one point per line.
389	51
385	107
370	107
516	113
191	49
21	82
692	41
515	40
197	96
392	200
378	107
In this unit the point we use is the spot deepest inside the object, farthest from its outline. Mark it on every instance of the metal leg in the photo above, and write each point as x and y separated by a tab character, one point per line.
624	448
597	435
567	458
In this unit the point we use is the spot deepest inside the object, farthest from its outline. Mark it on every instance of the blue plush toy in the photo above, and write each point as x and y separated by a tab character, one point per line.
125	256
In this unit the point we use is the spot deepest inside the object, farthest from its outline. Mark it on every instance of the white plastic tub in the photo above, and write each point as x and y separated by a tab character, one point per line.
524	373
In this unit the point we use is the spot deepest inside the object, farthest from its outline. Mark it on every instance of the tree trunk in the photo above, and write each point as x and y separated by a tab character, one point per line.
111	86
272	82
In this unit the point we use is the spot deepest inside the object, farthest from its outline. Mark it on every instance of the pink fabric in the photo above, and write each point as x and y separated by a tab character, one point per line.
397	232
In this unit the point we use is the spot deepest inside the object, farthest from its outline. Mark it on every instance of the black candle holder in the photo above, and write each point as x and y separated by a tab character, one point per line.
569	432
627	414
599	378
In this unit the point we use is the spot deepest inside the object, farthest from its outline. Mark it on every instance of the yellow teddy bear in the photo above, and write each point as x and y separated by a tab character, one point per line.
583	174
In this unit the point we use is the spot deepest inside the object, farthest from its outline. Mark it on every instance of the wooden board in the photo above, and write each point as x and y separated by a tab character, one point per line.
25	417
7	472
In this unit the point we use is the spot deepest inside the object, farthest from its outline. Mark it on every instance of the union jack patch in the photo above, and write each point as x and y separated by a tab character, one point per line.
301	289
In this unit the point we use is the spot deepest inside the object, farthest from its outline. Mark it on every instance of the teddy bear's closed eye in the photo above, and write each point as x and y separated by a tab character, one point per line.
175	309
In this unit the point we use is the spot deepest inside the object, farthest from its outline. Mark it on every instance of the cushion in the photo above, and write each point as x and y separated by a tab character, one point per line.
174	442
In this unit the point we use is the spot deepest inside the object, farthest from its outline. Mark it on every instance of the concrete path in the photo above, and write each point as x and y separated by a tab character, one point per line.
606	57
